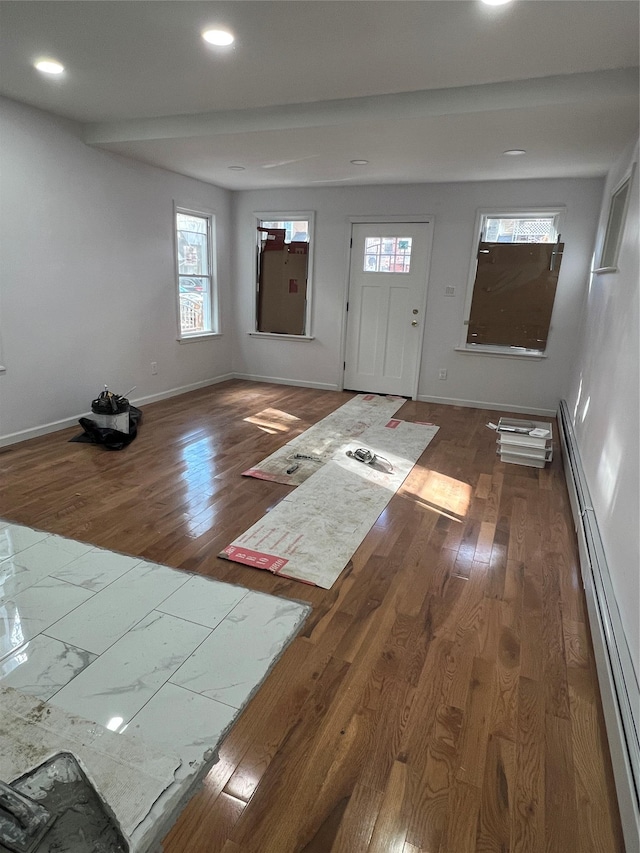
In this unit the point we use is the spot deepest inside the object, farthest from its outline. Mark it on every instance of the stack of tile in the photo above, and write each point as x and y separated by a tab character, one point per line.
525	442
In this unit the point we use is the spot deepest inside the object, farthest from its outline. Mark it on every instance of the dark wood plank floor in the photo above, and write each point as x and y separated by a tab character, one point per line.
441	698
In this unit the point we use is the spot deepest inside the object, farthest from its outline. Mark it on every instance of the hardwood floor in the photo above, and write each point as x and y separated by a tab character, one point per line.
442	697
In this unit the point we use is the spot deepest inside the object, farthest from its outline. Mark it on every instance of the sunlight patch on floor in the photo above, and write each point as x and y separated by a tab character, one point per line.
273	421
445	495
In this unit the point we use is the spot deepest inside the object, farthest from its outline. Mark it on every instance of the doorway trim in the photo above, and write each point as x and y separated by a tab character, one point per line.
413	218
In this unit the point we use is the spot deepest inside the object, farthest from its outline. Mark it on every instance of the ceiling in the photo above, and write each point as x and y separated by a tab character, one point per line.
425	90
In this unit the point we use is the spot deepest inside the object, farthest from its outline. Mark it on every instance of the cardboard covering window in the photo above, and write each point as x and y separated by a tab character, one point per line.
513	294
282	284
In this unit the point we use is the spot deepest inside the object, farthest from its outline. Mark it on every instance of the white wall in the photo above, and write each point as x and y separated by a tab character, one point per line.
87	275
604	399
87	280
506	383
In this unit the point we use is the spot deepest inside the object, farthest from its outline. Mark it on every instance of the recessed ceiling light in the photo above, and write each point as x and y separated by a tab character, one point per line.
359	162
49	66
496	2
236	168
221	38
514	152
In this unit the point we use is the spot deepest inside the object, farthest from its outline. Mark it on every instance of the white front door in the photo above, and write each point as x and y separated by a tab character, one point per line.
387	299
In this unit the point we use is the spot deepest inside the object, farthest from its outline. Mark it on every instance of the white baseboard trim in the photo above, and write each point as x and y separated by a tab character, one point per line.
43	429
616	675
54	426
184	389
298	383
483	404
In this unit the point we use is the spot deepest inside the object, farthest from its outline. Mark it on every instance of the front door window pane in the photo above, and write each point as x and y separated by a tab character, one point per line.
387	254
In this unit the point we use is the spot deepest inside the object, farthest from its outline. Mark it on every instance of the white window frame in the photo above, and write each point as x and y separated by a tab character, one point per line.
482	214
211	322
614	232
285	216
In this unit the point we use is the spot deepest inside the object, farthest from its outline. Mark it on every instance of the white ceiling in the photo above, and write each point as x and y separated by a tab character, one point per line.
426	90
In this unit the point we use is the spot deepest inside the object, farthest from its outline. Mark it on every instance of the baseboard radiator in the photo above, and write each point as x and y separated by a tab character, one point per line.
616	675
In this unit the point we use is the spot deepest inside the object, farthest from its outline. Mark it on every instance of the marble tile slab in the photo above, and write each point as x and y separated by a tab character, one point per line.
237	655
96	569
129	774
193	727
125	677
30	612
116	609
203	600
15	577
53	553
30	565
86	652
15	538
42	666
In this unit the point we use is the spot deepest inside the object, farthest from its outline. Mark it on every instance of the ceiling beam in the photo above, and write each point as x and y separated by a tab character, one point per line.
540	91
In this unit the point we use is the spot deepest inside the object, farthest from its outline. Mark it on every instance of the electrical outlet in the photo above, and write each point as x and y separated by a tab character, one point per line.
442	373
449	291
154	367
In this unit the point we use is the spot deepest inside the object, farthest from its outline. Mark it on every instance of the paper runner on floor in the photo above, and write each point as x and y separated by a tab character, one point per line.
322	440
313	532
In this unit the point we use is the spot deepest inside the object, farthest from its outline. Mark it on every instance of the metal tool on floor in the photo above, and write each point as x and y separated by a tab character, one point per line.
368	457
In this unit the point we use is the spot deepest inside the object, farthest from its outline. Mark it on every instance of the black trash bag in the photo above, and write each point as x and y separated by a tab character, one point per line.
112	439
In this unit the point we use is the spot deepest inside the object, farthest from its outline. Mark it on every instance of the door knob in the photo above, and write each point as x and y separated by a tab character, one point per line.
414	322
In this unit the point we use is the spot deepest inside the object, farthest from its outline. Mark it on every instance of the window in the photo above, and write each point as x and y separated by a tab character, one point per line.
513	282
387	254
615	227
197	313
283	275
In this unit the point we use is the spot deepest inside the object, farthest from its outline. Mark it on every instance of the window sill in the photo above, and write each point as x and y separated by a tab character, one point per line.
281	337
205	337
501	352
